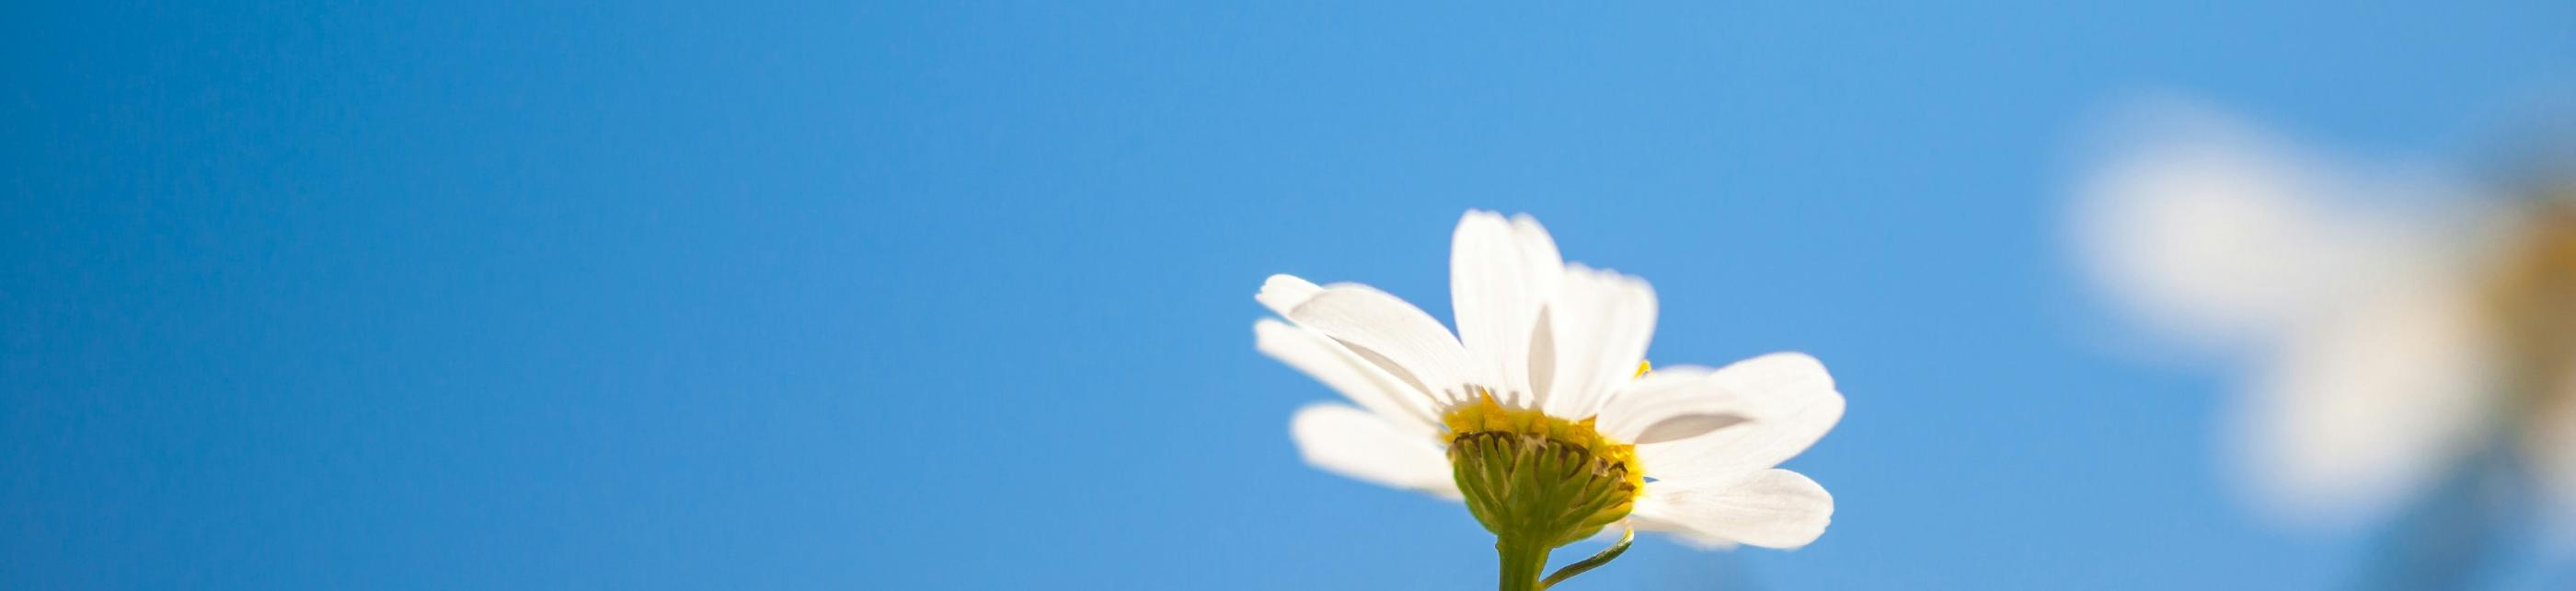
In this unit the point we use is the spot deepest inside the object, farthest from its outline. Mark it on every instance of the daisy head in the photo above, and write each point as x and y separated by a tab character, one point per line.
2532	280
1540	413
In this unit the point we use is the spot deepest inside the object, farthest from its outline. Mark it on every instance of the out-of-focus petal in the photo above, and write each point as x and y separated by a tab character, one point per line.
2226	239
2364	408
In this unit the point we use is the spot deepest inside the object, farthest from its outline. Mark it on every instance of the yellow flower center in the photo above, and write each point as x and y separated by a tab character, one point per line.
2537	280
1530	476
2529	296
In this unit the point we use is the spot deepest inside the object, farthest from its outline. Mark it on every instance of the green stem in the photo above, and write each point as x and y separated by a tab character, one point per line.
1523	560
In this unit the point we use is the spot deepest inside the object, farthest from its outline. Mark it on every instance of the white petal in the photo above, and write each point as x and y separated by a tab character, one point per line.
1602	321
1355	443
1670	404
1675	530
2360	411
2220	235
1392	334
1791	403
1771	508
1284	292
1335	366
1500	271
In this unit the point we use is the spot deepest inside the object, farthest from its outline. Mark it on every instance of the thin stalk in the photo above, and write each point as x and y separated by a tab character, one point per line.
1587	564
1522	562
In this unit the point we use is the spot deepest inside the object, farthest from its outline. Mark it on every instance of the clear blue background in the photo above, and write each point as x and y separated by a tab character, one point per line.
958	296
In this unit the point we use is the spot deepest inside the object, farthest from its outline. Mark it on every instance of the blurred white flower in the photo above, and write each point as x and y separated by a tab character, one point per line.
1547	372
2392	319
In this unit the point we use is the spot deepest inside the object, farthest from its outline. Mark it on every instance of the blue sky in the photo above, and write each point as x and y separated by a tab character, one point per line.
958	296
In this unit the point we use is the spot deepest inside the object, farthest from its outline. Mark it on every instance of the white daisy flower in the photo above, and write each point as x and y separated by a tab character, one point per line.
1540	414
2395	322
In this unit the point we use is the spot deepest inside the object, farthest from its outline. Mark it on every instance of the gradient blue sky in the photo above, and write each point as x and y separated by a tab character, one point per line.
958	296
